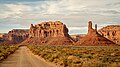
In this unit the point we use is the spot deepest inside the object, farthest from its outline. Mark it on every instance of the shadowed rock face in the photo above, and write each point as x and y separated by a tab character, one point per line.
111	32
15	36
93	38
53	33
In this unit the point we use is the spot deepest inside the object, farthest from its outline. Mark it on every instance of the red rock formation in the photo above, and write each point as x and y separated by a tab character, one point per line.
15	36
111	32
53	33
93	38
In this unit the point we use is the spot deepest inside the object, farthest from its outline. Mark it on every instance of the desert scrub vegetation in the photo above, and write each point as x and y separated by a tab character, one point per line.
6	50
79	56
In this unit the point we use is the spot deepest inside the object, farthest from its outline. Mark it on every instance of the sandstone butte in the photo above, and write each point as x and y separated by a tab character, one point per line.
111	32
56	33
93	38
49	33
14	36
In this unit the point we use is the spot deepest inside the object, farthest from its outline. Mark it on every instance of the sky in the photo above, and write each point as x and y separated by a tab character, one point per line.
19	14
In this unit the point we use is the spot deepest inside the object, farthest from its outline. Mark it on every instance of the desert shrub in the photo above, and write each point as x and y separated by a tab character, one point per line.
79	56
101	65
90	56
6	50
65	64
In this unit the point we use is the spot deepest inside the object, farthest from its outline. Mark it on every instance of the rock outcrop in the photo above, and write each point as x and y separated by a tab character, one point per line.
93	38
111	32
15	36
53	33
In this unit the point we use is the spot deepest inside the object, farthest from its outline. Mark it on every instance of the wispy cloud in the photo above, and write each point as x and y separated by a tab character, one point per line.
77	30
72	13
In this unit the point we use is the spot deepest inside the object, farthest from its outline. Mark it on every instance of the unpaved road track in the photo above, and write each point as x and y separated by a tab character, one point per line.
23	58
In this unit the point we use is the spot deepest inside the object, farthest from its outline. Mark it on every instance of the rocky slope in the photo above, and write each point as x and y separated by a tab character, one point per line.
93	38
111	32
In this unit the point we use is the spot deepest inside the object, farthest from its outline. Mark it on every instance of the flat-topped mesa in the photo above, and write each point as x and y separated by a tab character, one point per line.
19	31
49	29
16	36
49	33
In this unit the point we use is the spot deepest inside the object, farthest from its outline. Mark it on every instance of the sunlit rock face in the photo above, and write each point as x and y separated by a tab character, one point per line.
93	38
111	32
53	33
48	29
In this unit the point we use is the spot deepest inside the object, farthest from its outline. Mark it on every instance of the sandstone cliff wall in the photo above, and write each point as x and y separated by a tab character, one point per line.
53	33
111	32
15	36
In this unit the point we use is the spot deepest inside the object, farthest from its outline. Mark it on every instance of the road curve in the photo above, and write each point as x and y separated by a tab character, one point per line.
23	58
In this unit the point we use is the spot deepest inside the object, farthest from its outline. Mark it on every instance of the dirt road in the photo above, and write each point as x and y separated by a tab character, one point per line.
24	58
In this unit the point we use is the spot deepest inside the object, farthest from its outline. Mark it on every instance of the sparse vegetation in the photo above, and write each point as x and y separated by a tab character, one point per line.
6	50
79	56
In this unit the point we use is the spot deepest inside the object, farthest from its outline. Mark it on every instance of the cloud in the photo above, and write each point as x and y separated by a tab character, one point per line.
17	8
21	1
72	13
77	30
61	7
13	10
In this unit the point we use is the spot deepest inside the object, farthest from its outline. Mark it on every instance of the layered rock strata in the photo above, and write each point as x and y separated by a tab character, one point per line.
50	33
15	36
111	32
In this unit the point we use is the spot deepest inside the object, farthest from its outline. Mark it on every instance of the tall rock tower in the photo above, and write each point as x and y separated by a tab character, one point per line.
90	29
90	26
96	27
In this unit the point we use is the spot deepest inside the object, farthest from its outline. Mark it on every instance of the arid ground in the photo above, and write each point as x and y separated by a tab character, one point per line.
24	58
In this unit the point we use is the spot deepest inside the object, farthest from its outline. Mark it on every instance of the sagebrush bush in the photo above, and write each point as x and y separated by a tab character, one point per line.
6	50
75	56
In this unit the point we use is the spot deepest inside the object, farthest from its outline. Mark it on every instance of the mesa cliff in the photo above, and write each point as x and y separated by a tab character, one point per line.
49	33
56	33
93	38
14	36
111	32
